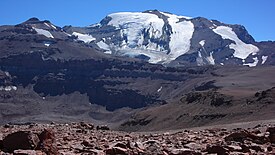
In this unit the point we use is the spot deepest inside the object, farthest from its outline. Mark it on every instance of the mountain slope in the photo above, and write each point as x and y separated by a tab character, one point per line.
48	73
172	40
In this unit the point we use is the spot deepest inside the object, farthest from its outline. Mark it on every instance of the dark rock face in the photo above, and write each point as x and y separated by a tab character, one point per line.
212	97
20	140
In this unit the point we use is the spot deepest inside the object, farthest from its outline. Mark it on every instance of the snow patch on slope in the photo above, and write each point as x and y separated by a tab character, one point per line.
264	58
8	88
242	50
159	90
44	32
254	63
210	59
50	26
84	37
202	43
199	59
180	39
104	46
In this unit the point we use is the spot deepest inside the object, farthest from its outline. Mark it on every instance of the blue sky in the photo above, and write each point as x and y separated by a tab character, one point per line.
258	16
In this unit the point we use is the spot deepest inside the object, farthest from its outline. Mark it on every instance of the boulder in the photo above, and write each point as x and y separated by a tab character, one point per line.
20	140
237	136
47	142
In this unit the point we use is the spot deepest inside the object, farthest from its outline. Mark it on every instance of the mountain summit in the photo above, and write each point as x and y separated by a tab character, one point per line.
165	38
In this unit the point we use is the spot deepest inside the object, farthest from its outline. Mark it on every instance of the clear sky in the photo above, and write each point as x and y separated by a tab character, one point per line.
258	16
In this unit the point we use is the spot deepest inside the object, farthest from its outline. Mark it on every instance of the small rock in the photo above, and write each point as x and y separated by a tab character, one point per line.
195	146
151	142
245	149
139	145
102	127
24	152
121	145
234	148
86	126
269	149
257	148
116	151
86	143
8	126
220	150
183	152
20	140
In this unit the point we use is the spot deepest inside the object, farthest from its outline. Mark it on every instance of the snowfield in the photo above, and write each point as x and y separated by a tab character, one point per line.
84	37
43	32
242	50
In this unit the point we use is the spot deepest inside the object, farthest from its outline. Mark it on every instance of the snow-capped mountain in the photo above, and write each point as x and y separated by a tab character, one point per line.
169	39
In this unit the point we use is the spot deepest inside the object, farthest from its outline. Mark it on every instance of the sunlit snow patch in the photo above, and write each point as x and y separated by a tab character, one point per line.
202	43
210	59
50	25
8	88
159	90
180	39
264	58
44	32
242	50
84	37
104	46
254	63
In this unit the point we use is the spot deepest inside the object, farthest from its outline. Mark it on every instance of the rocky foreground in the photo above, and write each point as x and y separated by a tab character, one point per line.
84	138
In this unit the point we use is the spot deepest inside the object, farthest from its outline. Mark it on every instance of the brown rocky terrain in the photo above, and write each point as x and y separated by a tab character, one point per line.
83	138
